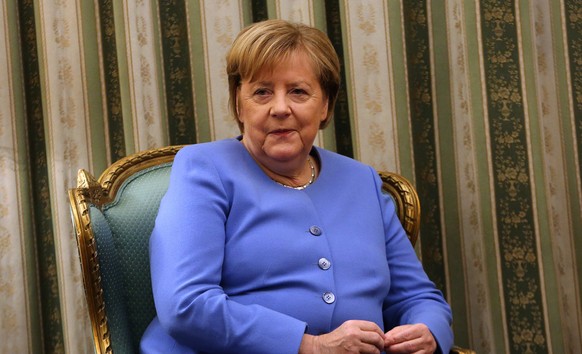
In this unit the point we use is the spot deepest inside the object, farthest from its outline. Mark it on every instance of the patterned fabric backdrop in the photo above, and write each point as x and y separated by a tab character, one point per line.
478	102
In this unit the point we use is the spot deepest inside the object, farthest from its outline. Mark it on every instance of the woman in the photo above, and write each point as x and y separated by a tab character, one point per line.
267	244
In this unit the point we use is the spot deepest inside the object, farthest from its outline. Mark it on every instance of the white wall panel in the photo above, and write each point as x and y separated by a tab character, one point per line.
221	22
369	65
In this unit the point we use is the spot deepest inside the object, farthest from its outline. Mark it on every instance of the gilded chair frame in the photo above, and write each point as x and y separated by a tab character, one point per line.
407	202
100	192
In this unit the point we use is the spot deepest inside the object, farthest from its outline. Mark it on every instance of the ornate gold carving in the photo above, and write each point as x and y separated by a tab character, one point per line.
87	193
116	174
407	202
458	350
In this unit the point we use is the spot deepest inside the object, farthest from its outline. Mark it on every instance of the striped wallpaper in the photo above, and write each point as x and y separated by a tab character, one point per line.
478	102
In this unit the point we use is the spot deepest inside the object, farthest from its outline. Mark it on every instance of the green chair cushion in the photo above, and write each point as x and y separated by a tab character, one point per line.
131	217
112	283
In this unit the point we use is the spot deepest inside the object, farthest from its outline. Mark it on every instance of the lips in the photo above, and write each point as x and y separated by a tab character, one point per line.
282	131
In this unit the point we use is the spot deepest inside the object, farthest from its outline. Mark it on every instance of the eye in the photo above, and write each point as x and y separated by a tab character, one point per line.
261	92
298	91
299	94
261	95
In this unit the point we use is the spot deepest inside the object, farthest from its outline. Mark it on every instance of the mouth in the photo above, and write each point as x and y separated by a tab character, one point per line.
282	132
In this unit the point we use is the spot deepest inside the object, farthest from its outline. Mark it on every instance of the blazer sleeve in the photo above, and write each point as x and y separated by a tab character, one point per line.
413	298
186	255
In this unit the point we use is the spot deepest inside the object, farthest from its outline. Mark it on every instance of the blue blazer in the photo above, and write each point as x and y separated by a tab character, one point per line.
241	264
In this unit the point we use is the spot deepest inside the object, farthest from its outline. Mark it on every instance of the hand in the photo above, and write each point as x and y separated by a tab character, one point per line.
355	336
415	338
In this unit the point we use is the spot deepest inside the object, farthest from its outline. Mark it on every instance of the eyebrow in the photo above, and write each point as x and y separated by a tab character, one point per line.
293	83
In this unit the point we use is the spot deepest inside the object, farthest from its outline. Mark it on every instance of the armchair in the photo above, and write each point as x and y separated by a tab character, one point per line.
113	218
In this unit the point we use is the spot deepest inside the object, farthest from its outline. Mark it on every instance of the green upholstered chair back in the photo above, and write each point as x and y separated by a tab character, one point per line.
130	218
113	219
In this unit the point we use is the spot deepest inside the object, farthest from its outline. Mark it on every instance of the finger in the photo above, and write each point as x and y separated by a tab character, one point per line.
367	326
366	348
401	334
411	346
410	339
366	334
407	332
373	338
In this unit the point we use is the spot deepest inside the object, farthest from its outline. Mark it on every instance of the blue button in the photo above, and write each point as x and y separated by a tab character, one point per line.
328	297
324	263
315	230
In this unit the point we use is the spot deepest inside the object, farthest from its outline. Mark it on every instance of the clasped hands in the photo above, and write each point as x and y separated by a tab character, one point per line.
361	337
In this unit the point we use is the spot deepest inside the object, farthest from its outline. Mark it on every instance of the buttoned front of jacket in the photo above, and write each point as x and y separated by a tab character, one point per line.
254	265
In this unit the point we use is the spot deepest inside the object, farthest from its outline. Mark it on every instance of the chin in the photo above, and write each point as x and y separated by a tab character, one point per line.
283	151
283	156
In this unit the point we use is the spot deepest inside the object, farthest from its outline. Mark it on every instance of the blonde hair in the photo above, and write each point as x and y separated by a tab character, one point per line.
262	45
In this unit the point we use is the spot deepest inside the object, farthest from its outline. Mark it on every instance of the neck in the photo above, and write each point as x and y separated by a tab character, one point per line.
303	185
291	177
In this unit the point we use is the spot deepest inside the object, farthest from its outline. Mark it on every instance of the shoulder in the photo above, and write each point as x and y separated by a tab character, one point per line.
213	147
338	163
345	172
216	152
208	157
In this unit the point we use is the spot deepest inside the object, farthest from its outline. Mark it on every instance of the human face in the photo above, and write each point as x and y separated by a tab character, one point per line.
281	111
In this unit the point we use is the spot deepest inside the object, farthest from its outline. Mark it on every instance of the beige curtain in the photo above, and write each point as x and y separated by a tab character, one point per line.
478	102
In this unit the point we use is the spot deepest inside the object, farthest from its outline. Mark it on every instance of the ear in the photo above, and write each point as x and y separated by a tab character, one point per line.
324	110
236	104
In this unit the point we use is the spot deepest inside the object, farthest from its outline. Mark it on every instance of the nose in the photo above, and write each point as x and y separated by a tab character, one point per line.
280	105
